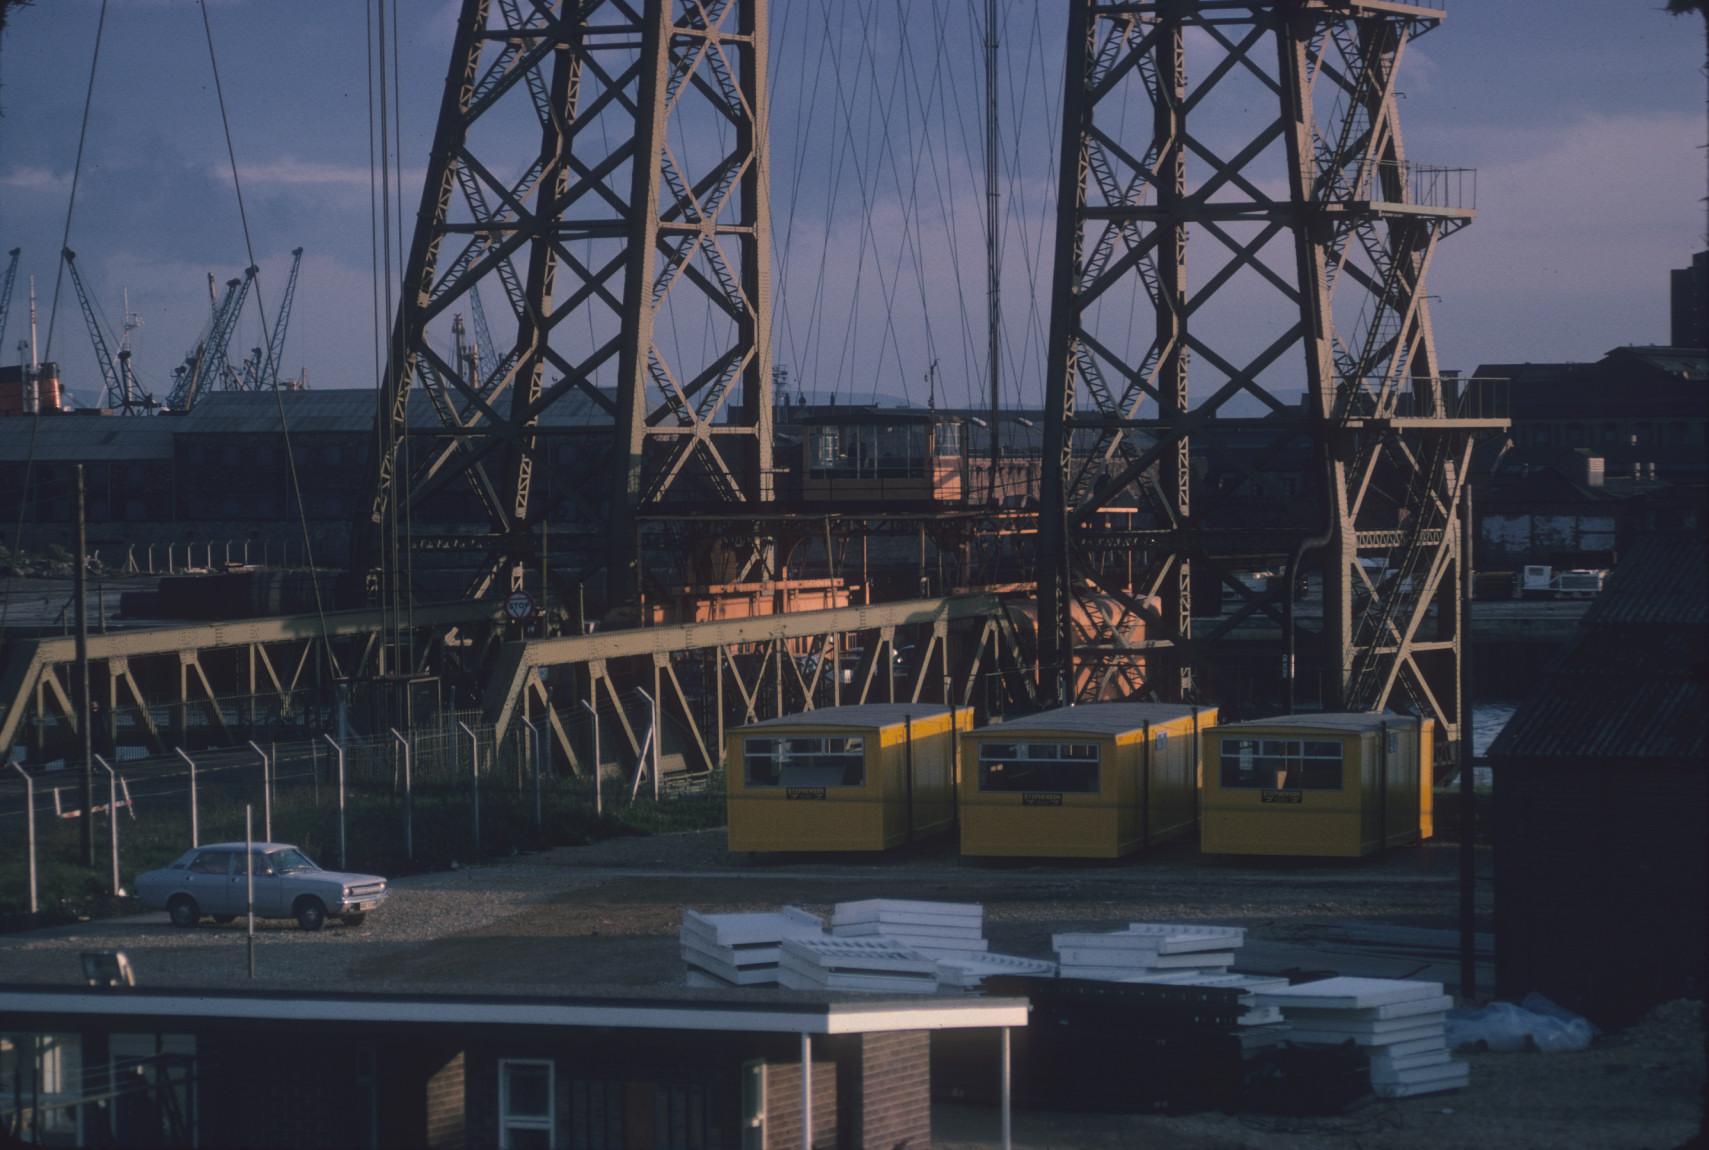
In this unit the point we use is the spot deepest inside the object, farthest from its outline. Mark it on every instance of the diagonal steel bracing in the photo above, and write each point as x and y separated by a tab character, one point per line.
601	162
1267	130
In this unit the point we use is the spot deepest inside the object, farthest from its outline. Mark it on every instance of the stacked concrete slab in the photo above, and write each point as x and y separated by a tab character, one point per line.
741	949
1147	948
935	929
875	964
968	972
1400	1024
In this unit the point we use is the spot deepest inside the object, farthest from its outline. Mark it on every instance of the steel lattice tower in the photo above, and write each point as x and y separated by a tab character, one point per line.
1279	163
602	163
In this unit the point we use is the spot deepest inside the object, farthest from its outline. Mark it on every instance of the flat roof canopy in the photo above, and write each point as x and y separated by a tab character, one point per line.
794	1015
853	715
1325	721
1094	719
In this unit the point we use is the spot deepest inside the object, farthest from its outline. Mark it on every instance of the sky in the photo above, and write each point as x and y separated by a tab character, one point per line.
1586	130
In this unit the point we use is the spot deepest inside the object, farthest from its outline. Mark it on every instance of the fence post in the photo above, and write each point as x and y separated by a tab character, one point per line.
653	755
474	782
409	799
534	759
598	791
249	878
343	858
195	823
30	824
112	820
266	792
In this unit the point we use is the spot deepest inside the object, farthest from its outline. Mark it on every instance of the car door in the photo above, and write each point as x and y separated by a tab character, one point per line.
269	895
209	881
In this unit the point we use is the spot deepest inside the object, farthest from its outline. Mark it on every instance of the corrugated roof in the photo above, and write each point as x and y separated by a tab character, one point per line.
1328	721
862	715
1618	696
1097	718
1635	686
84	439
344	410
1659	581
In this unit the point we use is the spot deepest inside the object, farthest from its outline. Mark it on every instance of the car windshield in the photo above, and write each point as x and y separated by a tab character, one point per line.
291	859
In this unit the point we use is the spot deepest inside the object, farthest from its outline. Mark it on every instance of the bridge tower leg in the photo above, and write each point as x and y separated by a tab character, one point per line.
632	366
1264	137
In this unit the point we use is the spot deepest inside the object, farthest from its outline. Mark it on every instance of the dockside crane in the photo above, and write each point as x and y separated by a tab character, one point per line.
269	375
124	394
208	362
6	291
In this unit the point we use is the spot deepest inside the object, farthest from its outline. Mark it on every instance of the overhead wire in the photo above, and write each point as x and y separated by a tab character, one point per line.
278	393
53	310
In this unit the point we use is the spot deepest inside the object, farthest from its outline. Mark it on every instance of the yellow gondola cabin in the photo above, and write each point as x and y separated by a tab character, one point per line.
859	778
1095	781
1333	785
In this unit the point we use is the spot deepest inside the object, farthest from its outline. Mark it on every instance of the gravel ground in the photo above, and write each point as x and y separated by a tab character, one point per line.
603	919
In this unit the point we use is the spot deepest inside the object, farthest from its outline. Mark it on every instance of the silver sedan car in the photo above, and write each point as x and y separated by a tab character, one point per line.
213	880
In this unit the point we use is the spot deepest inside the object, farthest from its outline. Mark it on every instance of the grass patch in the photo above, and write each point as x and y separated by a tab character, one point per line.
442	830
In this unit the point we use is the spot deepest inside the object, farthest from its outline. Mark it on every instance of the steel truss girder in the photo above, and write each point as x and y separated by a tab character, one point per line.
1386	431
194	675
611	224
764	665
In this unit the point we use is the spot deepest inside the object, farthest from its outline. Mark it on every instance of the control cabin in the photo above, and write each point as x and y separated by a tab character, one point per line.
1336	785
856	778
1096	781
868	455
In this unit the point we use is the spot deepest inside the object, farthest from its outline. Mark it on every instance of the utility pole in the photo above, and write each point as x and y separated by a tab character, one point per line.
993	247
85	725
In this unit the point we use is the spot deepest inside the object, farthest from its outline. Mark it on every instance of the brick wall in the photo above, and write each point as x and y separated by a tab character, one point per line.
447	1107
783	1106
893	1103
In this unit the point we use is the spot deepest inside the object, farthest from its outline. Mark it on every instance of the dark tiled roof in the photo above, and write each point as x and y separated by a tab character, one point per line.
84	439
1659	582
1635	686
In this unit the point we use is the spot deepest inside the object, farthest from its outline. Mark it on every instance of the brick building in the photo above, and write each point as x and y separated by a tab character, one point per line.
684	1070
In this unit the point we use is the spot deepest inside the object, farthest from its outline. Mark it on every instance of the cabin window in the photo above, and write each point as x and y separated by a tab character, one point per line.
525	1104
1040	766
43	1084
154	1089
1282	764
805	761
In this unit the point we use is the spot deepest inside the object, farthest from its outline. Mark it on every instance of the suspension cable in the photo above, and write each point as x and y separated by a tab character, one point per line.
53	313
278	395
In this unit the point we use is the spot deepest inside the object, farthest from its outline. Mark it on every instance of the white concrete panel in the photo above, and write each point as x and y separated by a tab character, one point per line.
1352	993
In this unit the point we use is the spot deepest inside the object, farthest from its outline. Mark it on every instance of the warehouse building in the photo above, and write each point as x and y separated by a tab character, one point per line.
1600	800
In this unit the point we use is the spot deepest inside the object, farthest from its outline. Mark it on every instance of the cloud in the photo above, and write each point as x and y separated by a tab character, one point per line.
35	179
1576	232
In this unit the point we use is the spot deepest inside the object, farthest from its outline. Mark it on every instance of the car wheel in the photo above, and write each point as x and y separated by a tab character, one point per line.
223	919
183	911
355	919
311	915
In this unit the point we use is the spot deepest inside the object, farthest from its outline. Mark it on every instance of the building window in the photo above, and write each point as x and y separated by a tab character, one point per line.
153	1081
42	1088
813	761
525	1104
1055	767
1282	764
